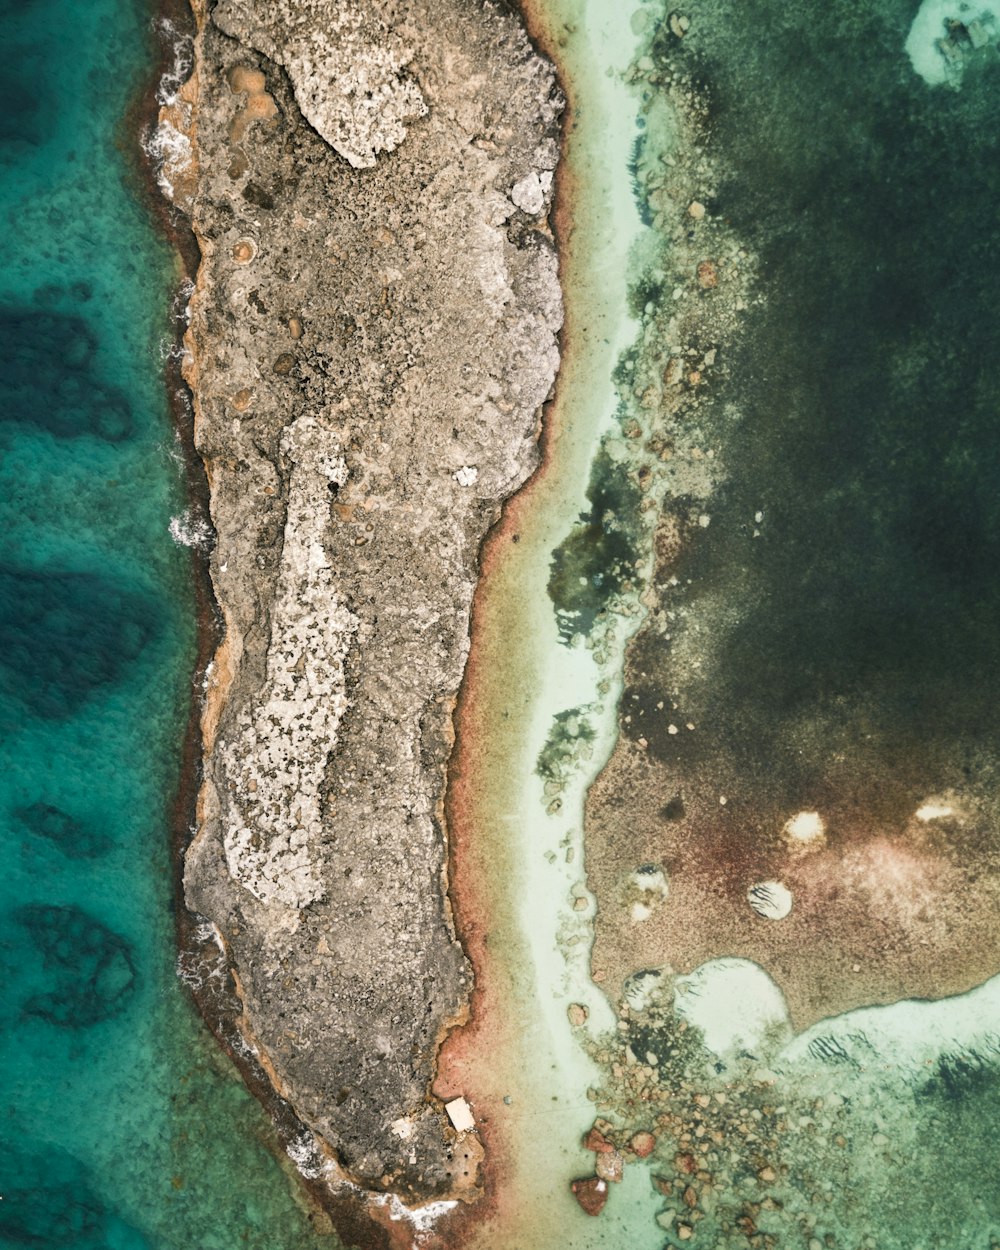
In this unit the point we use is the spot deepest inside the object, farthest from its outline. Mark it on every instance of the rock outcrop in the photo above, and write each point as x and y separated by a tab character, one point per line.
372	337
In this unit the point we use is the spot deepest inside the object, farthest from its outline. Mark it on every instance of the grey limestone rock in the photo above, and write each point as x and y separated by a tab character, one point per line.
372	337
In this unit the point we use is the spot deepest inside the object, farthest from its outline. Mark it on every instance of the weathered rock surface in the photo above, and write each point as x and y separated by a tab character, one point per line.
372	337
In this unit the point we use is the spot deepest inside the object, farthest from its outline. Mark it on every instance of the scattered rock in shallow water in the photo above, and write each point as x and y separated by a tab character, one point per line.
708	275
596	1141
75	839
577	1014
770	899
643	1144
90	969
591	1194
610	1166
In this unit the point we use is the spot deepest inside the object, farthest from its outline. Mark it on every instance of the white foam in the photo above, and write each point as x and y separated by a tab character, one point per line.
177	75
305	1153
190	530
422	1218
171	152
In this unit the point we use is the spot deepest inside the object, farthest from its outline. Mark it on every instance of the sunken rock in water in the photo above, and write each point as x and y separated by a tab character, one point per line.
609	1166
595	1140
577	1014
48	1203
591	1194
64	635
73	837
50	379
770	899
89	968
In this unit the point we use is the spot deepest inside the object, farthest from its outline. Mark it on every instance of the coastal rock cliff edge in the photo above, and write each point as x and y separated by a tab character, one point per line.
372	336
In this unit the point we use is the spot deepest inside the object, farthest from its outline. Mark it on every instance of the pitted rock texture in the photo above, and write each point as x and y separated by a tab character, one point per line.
372	337
346	65
274	763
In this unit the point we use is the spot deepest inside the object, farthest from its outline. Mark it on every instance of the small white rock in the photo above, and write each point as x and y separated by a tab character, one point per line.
528	195
460	1114
770	899
467	475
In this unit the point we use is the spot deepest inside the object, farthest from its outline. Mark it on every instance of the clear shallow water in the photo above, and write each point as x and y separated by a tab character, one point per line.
823	623
824	636
122	1125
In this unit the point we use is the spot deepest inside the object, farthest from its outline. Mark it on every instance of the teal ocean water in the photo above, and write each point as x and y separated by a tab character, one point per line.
121	1123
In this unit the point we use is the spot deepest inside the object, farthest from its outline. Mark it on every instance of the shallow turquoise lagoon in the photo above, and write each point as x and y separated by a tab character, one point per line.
123	1126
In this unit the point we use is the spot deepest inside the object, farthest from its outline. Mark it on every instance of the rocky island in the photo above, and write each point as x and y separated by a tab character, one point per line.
372	335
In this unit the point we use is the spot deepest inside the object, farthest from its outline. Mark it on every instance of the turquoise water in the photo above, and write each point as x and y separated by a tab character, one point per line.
123	1126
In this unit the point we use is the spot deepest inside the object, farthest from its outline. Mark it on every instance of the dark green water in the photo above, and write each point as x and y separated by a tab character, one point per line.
868	399
121	1124
822	625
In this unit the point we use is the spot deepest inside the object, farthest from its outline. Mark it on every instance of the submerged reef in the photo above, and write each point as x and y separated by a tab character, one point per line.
372	334
813	687
794	847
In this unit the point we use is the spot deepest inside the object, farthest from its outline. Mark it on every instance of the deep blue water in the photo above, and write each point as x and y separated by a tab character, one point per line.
121	1124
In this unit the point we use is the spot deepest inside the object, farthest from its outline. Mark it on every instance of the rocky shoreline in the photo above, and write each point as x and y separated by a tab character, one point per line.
372	335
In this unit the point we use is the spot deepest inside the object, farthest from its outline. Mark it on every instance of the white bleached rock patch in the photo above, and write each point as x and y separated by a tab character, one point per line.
347	68
530	192
274	764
